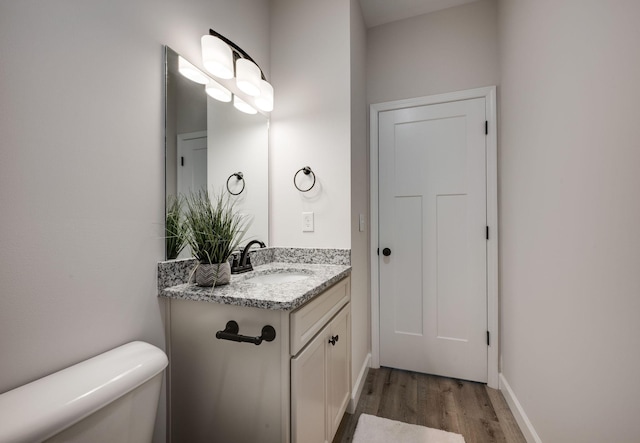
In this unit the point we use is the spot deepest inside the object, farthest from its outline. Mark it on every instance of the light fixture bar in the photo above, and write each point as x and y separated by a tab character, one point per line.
237	49
250	78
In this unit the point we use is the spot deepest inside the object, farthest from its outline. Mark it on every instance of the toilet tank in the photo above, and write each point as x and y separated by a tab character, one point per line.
112	397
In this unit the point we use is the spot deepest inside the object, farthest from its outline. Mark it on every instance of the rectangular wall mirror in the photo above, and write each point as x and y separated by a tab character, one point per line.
210	144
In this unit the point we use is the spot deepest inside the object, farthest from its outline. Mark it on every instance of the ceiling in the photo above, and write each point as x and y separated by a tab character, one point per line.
378	12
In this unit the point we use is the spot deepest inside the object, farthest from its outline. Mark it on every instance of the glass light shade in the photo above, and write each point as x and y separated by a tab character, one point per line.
265	100
248	77
217	91
243	106
217	57
191	72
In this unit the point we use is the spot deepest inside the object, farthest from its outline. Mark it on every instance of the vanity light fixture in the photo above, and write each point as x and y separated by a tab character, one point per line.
265	100
243	106
191	72
218	56
248	77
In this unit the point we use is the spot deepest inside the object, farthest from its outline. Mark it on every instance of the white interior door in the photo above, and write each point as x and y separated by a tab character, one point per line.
192	162
433	218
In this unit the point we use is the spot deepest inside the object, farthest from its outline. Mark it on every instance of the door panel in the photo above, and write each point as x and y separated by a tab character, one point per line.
408	316
451	243
432	216
192	162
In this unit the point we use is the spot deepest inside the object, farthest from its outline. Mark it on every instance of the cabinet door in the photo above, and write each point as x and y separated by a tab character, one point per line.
338	368
308	389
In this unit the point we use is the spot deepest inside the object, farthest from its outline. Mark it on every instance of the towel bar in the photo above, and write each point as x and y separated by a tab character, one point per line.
231	333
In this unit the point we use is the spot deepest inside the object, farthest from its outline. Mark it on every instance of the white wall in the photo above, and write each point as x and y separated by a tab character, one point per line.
81	176
319	120
360	295
570	212
444	51
310	124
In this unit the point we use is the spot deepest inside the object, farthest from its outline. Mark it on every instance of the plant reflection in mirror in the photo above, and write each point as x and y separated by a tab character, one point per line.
175	228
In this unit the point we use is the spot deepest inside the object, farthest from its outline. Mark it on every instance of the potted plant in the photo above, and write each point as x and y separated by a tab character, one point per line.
175	229
215	230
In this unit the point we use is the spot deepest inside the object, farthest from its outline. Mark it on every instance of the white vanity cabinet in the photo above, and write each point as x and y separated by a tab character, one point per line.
294	389
320	382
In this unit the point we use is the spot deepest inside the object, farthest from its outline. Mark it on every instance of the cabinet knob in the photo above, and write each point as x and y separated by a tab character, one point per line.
386	252
334	339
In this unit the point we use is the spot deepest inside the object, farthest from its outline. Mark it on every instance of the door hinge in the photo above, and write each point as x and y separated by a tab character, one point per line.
378	251
181	161
488	339
487	233
486	127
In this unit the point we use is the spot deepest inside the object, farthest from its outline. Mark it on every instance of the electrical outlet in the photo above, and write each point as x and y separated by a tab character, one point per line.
307	222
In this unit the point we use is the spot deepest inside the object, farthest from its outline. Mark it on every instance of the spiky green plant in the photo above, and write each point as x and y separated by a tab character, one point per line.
175	229
214	228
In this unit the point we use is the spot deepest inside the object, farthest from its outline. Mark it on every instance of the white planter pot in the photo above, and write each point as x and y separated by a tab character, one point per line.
216	274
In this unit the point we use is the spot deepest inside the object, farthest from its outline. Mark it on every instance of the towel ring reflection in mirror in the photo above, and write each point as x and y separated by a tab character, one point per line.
307	171
240	177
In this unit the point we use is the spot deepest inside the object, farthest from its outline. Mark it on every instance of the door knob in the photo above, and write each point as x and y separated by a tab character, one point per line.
386	252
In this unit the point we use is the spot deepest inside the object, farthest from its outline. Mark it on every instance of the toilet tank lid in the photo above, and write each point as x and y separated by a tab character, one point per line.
40	409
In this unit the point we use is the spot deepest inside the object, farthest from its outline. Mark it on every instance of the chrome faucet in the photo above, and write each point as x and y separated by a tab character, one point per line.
244	264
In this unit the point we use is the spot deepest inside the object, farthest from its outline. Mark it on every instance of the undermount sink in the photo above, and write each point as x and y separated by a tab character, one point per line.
277	277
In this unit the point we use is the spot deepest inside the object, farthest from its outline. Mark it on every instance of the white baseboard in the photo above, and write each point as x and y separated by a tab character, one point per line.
526	427
359	385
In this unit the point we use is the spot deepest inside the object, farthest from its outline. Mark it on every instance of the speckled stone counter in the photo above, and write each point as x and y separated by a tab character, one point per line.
324	266
276	296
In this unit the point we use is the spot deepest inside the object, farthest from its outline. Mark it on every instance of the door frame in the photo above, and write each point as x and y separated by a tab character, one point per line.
489	94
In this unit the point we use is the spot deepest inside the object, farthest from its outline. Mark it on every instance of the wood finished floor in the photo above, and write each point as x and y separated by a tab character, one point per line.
477	412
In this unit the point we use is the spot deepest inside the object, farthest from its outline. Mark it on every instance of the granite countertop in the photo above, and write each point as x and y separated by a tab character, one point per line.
276	296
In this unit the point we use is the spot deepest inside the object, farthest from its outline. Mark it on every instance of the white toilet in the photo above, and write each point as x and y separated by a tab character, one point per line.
112	397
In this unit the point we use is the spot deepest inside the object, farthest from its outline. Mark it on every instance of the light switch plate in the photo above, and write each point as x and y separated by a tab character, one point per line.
362	223
307	222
